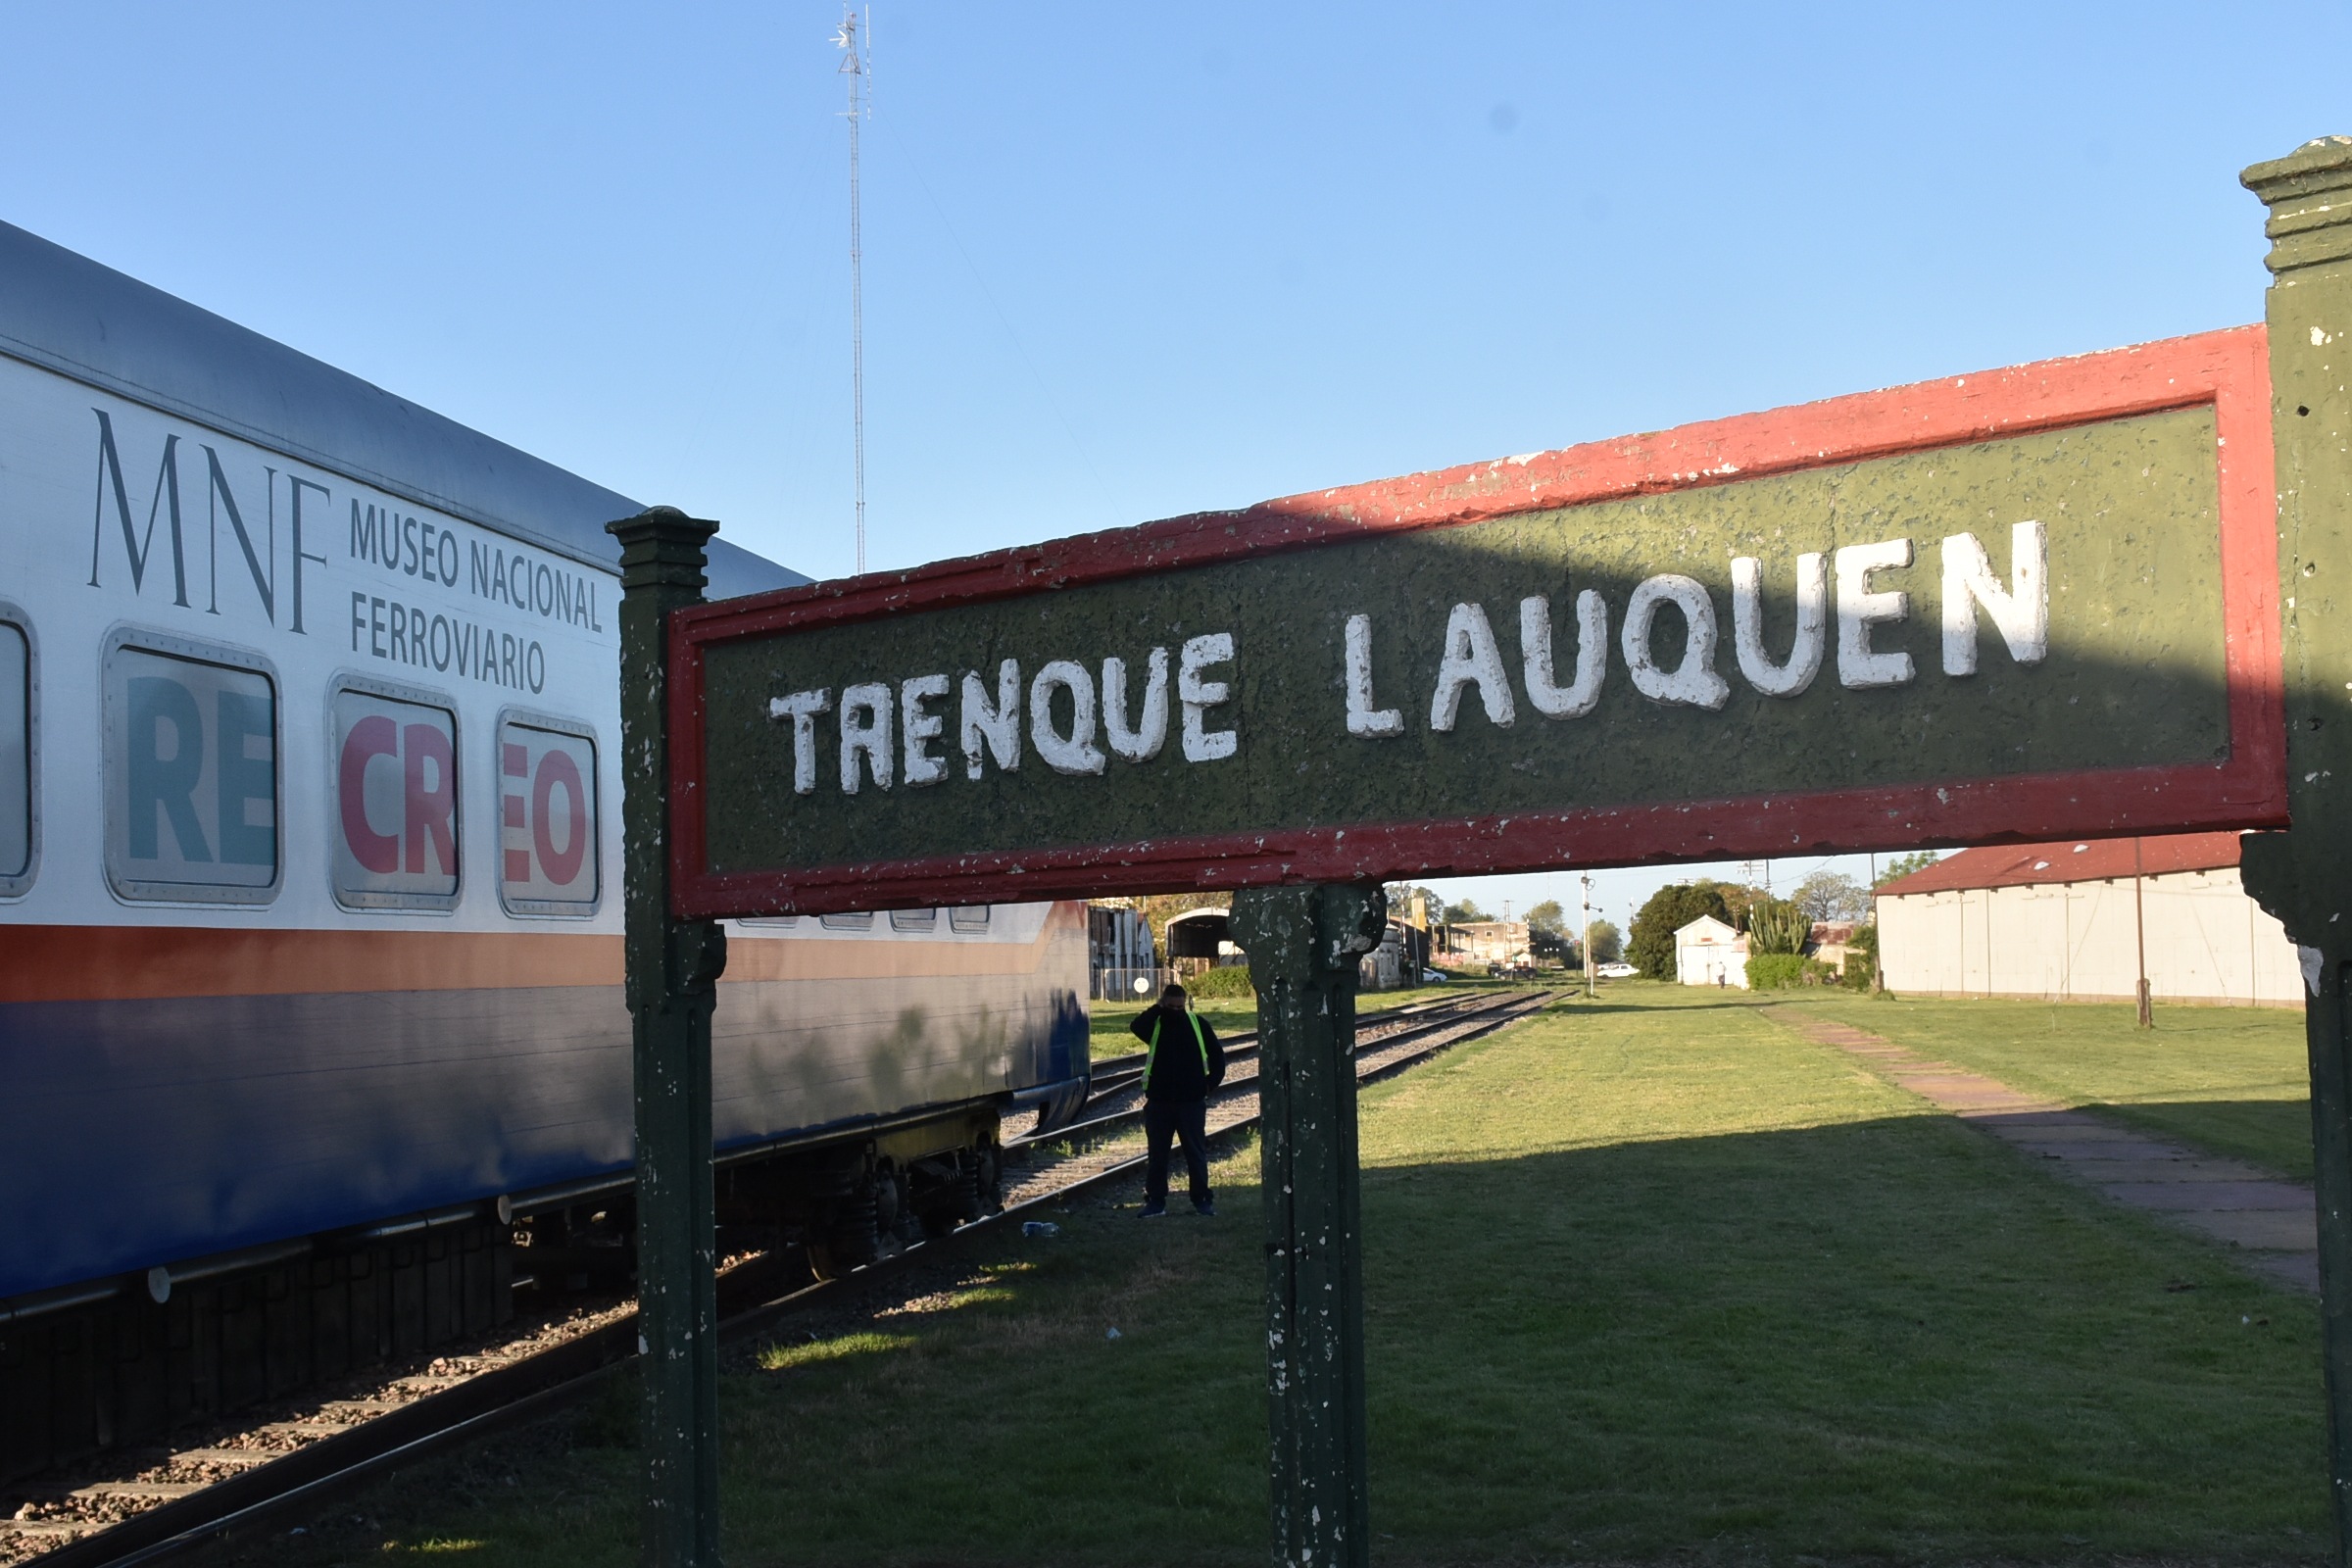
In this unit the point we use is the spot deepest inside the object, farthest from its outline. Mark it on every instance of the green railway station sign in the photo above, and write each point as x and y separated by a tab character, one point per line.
2039	600
2100	595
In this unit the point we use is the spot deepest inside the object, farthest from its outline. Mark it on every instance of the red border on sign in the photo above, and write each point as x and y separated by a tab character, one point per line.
2229	371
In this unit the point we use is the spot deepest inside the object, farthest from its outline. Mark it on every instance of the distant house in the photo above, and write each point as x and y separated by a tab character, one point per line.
2059	921
1709	952
1829	941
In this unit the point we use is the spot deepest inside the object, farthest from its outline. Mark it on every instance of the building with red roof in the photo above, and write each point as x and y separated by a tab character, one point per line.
2072	921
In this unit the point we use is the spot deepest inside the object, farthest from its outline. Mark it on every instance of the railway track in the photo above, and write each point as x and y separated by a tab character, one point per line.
1115	1100
1116	1073
193	1495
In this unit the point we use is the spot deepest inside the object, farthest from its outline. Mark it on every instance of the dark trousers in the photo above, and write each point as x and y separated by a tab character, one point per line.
1186	1122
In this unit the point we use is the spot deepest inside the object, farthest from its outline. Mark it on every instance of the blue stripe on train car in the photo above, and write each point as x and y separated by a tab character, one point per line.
149	1131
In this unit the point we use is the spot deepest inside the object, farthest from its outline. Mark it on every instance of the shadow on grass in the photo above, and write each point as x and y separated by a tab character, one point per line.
1886	1338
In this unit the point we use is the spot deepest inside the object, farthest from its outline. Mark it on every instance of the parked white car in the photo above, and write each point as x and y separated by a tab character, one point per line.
1616	971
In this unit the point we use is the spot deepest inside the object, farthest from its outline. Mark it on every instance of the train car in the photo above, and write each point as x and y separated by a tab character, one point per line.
310	923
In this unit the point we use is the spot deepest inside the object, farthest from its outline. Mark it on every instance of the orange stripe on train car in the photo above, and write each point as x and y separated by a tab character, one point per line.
126	963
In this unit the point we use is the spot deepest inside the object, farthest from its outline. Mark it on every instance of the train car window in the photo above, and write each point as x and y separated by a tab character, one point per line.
855	921
782	921
394	787
17	799
192	772
547	817
974	919
913	920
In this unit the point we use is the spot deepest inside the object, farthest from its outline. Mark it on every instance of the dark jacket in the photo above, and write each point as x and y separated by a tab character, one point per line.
1179	1067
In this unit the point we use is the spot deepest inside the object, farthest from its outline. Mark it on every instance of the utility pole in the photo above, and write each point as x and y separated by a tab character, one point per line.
1583	914
1878	970
856	40
2139	936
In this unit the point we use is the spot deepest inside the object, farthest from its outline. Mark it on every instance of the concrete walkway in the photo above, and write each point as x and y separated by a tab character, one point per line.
2271	1222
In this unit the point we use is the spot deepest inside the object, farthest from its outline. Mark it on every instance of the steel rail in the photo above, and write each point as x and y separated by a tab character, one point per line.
1456	1010
552	1378
1126	1069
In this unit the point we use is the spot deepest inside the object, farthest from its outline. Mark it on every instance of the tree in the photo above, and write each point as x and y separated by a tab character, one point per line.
1668	911
1547	916
1832	896
1905	865
1464	913
1737	898
1608	943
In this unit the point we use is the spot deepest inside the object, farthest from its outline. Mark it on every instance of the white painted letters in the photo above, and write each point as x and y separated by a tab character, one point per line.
1471	658
1142	743
1694	683
918	729
1076	752
802	708
866	732
1365	719
1859	608
1788	679
2021	612
991	729
1581	694
1199	696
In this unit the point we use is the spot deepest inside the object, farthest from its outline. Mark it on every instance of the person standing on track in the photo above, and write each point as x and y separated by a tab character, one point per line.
1182	1063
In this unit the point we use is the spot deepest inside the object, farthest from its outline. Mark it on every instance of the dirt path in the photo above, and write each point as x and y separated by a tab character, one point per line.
2271	1222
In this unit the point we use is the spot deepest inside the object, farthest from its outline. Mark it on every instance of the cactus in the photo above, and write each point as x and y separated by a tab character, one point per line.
1775	925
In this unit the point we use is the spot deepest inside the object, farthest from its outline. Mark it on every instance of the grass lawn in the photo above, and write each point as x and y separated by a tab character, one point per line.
1650	1280
2233	1080
1229	1015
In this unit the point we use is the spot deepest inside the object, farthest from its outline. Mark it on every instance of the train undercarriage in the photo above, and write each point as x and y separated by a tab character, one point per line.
117	1362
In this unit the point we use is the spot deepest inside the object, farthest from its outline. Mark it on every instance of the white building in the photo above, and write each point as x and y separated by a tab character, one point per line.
1709	952
1488	940
2061	923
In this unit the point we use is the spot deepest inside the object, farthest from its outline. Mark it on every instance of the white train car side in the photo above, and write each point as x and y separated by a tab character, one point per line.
309	832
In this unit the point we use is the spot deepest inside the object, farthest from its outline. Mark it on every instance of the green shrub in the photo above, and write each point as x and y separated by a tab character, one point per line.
1225	980
1775	971
1862	956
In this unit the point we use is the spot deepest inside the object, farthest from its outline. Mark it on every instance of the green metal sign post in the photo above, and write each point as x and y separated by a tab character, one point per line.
1304	943
672	974
2304	876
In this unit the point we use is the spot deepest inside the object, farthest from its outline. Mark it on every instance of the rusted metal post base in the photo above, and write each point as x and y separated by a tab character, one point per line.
1304	943
2304	876
673	973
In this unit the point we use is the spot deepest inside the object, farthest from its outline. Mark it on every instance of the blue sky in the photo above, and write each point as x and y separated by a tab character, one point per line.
1124	262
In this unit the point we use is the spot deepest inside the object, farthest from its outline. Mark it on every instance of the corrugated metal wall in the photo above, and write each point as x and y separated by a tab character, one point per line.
2207	942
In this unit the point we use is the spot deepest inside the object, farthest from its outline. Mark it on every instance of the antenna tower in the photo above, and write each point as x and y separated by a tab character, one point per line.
855	41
